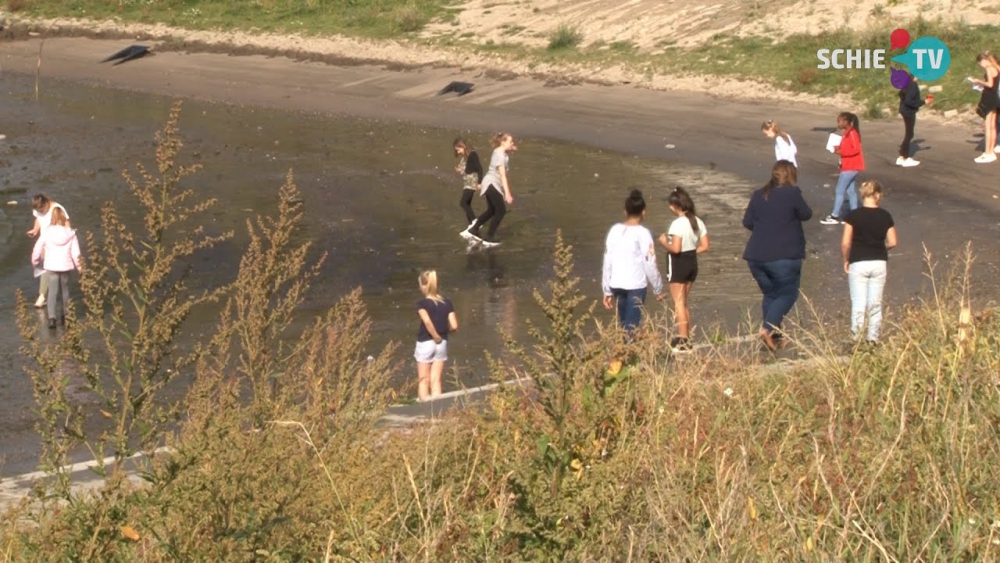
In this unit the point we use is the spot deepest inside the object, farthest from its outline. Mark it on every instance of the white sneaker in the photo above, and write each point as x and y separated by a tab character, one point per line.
830	220
986	158
489	244
996	149
900	160
40	302
910	162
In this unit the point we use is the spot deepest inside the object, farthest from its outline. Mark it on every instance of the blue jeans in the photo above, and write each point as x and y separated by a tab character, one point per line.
866	280
629	307
779	282
846	182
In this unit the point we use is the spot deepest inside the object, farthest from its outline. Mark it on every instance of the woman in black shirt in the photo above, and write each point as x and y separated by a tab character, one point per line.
869	232
471	170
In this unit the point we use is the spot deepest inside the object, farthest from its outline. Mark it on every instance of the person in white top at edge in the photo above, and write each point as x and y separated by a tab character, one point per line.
784	146
686	238
42	210
630	265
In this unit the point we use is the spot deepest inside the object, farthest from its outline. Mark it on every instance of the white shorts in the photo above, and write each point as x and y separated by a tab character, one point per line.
427	352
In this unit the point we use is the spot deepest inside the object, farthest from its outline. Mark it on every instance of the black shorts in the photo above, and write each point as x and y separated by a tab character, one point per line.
683	267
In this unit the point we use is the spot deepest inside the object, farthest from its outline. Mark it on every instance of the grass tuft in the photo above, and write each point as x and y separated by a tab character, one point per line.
565	37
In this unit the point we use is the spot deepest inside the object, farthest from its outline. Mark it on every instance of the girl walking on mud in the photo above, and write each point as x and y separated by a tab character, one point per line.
42	208
471	170
869	233
988	103
686	238
437	320
630	265
784	146
496	188
57	251
852	163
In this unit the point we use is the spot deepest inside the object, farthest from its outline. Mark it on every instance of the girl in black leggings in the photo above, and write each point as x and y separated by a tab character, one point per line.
496	189
471	170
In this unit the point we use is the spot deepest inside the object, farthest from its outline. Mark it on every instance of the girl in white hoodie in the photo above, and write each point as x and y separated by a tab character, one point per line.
57	251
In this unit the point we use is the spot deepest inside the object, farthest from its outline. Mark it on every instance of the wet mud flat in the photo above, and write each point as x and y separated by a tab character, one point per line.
381	199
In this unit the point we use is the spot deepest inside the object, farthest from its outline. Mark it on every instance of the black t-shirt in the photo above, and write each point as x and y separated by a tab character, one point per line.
439	318
870	226
474	166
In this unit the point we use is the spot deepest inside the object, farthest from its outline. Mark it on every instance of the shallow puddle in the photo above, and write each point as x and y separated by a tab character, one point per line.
381	198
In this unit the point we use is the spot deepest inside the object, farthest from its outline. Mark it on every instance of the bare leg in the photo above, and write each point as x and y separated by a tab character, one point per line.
423	381
437	370
991	131
678	292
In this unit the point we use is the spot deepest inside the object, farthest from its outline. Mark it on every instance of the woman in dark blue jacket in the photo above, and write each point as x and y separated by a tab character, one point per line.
777	246
909	103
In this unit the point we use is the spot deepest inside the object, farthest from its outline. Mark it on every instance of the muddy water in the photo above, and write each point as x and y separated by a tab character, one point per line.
381	198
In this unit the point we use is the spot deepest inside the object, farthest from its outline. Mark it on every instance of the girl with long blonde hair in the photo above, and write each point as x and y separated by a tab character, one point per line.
437	320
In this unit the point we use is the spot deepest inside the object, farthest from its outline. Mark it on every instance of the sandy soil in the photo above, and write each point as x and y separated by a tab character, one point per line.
649	24
653	24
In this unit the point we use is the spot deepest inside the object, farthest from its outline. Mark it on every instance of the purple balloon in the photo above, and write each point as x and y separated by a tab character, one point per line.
900	79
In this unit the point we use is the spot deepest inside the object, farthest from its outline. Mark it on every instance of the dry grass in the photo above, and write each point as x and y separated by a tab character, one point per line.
886	455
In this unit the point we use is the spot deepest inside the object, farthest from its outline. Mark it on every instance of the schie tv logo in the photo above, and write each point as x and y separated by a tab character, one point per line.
927	58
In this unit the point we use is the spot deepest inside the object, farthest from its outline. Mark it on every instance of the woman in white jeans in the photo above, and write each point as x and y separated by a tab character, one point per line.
869	233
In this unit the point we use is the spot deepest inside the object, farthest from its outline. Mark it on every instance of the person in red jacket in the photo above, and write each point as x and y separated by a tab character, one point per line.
852	162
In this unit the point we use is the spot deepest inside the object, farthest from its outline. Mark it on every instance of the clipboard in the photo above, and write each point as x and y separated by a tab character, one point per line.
833	142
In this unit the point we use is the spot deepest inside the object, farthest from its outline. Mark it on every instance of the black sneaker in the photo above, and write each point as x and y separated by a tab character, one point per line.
52	324
683	346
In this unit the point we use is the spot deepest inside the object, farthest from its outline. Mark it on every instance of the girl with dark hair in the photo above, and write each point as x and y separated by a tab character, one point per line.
471	170
686	238
909	103
776	247
988	103
852	162
496	189
630	265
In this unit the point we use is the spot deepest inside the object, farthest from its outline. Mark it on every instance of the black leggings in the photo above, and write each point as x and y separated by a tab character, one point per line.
495	210
466	204
909	120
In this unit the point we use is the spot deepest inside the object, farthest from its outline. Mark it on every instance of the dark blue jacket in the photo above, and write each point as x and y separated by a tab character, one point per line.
776	225
909	99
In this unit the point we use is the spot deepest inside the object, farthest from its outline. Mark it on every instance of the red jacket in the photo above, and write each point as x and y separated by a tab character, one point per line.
850	152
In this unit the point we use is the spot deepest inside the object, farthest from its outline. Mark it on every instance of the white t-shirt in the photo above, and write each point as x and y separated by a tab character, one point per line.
44	220
681	227
492	177
630	260
785	150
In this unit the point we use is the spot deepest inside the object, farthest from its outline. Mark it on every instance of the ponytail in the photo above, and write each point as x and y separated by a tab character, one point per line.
680	199
429	286
498	139
772	126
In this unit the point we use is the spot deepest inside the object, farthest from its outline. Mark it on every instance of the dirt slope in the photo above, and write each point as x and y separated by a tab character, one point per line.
658	23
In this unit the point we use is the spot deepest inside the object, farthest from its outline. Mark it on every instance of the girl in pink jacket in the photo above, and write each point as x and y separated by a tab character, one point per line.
57	251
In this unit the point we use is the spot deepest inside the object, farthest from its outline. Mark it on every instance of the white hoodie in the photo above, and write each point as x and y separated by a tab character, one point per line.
60	248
